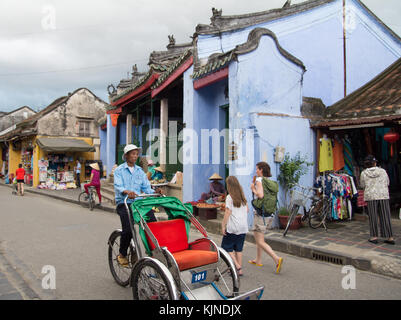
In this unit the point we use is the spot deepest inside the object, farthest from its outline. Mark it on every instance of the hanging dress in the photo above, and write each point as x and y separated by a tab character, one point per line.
326	155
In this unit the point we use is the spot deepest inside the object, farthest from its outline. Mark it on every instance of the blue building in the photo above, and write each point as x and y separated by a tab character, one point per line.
241	88
263	67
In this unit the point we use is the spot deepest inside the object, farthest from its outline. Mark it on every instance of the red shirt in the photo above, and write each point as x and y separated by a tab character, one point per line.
20	173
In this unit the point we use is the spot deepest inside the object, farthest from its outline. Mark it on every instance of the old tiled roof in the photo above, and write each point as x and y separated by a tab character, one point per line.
376	101
218	61
130	88
220	23
172	67
160	62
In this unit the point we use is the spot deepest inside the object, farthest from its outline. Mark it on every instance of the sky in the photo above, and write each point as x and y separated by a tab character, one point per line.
50	48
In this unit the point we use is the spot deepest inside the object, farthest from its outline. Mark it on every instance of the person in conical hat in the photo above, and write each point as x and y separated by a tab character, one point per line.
216	188
95	166
158	173
215	176
94	180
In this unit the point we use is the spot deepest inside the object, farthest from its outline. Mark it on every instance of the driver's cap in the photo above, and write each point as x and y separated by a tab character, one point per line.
130	147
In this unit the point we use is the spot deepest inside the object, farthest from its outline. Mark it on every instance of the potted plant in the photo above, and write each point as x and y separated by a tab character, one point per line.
291	171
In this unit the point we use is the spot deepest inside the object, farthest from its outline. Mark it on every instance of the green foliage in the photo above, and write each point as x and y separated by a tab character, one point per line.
283	211
291	171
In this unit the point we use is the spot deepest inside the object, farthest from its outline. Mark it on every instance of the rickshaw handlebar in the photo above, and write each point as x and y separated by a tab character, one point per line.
142	195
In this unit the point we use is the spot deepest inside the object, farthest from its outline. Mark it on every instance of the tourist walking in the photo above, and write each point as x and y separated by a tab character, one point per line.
235	222
20	176
78	173
375	182
265	190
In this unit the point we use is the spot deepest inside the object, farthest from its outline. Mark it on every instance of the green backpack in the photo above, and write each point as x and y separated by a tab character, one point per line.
268	202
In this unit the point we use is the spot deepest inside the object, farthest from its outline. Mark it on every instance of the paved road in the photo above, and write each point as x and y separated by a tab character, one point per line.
36	231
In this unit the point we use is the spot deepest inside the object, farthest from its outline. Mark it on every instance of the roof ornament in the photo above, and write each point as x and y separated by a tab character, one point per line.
216	14
287	4
171	40
111	89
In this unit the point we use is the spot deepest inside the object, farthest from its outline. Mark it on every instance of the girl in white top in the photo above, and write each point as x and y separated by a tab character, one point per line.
235	222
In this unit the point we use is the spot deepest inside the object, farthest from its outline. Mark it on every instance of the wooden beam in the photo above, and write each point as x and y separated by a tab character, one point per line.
211	78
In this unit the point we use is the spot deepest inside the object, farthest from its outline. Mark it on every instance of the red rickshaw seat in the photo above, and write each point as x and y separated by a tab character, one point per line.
173	235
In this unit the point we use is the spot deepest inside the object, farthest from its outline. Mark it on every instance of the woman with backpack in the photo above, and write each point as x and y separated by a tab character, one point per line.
265	191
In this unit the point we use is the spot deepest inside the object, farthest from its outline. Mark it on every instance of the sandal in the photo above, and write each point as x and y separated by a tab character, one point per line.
389	241
239	270
375	241
254	263
278	266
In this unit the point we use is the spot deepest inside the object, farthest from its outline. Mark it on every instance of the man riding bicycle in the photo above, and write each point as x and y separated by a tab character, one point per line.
131	180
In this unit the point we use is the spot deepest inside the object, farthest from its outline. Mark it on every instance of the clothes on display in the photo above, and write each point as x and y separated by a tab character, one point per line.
340	188
349	148
348	156
338	154
325	155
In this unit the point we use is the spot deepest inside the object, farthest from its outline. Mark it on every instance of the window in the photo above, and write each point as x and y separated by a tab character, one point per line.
84	130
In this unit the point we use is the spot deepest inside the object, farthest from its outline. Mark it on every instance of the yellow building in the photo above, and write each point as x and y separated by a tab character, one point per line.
49	143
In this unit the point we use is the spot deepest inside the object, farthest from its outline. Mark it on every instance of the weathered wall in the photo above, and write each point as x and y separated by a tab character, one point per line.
12	118
202	158
64	120
264	81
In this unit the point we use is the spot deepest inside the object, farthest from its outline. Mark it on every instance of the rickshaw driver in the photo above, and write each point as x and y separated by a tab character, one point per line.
131	180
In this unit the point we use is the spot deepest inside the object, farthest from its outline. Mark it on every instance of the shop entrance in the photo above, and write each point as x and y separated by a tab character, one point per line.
352	145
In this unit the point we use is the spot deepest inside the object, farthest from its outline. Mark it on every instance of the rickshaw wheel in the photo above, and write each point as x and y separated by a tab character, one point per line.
226	281
120	274
151	280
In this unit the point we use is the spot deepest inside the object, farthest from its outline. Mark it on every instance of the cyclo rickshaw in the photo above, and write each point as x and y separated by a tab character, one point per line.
169	267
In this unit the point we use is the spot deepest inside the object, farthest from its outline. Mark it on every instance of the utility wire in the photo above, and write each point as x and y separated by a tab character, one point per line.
70	70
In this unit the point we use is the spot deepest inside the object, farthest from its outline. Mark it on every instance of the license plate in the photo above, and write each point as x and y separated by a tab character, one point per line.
200	276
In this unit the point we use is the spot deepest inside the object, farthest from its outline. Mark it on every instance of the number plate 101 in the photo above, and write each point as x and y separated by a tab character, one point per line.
200	276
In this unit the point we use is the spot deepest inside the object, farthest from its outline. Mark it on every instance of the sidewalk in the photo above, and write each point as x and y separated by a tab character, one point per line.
344	243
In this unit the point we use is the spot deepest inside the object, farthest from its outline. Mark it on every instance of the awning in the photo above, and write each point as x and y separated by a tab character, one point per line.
64	145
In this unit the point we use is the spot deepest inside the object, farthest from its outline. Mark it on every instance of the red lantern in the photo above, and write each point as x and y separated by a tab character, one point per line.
391	137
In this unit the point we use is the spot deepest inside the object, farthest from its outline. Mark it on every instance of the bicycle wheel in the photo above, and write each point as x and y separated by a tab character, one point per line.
294	212
151	280
92	200
120	274
226	281
319	212
83	200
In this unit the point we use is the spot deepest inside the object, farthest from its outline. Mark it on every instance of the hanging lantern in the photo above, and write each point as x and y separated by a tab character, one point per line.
391	137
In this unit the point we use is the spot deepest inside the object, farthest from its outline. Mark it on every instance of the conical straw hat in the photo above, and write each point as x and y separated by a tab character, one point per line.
95	166
215	176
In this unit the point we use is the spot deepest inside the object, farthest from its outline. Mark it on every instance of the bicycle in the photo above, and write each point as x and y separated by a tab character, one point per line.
318	210
88	200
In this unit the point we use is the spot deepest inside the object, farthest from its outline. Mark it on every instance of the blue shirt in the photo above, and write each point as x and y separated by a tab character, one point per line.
137	181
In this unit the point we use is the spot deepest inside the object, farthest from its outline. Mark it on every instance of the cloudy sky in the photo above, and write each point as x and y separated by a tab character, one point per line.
49	48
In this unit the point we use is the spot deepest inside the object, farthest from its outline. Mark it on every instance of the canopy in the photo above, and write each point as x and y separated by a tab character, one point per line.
64	145
174	209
